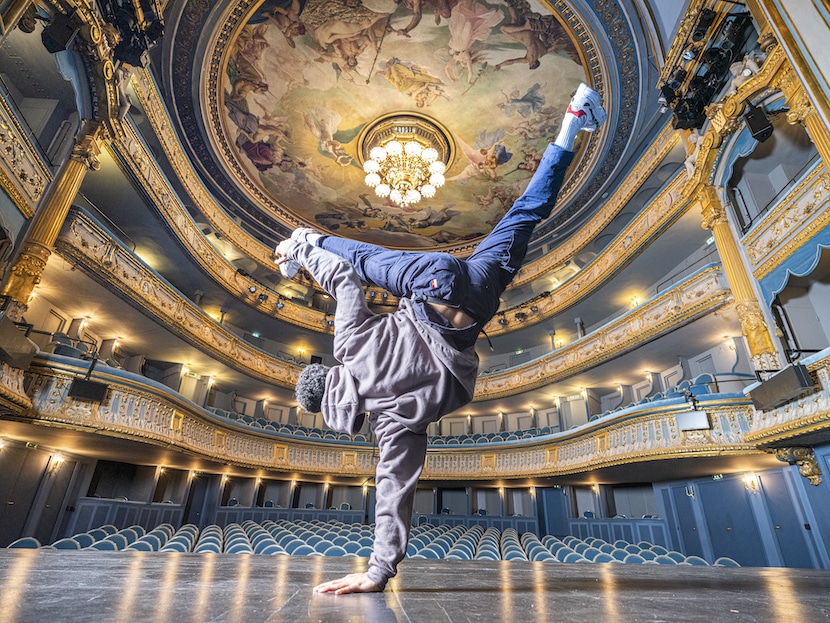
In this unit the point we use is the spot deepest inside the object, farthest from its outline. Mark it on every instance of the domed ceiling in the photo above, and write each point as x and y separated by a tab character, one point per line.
275	98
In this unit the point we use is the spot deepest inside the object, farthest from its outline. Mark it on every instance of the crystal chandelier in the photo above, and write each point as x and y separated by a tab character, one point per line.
405	156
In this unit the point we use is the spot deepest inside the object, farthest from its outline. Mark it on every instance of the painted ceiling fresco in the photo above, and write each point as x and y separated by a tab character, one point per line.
302	79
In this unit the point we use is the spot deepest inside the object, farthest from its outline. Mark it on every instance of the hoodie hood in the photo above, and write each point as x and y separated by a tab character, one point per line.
342	408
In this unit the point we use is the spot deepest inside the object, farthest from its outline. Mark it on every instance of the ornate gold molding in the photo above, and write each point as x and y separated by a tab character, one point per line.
23	175
667	207
153	104
131	152
798	217
755	328
154	415
37	247
803	416
805	459
90	247
12	387
702	293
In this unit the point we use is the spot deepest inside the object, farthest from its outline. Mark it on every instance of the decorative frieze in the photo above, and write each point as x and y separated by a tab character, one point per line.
790	225
804	415
90	246
704	292
23	175
147	413
12	386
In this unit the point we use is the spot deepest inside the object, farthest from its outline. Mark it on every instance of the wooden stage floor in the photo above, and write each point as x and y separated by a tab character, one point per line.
52	586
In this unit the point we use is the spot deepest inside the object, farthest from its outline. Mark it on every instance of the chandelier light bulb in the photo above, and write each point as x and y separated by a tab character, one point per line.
437	167
413	149
429	155
405	157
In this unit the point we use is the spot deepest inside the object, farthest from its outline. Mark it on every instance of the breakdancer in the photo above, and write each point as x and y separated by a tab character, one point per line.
408	368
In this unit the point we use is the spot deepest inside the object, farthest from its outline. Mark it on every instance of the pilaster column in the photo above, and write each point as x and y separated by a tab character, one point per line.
26	272
802	111
753	325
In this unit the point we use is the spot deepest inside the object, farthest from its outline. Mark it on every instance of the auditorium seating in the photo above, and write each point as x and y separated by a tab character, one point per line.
335	538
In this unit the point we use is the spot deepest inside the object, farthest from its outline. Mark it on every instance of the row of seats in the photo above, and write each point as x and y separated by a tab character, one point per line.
700	385
335	538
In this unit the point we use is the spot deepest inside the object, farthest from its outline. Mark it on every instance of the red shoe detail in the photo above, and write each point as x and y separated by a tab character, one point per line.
578	113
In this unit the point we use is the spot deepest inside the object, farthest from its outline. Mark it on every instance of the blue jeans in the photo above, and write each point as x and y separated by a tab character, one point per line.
475	284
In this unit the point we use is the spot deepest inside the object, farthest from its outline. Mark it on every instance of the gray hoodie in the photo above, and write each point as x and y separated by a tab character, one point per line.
405	374
392	363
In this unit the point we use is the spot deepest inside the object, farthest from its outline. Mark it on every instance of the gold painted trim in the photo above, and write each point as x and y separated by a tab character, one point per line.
660	213
90	247
133	156
146	413
703	293
803	213
23	175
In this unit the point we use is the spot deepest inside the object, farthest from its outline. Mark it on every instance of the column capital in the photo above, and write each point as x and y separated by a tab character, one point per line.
88	146
711	206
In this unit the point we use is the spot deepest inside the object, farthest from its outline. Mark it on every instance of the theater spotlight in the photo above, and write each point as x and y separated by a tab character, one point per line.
758	123
704	21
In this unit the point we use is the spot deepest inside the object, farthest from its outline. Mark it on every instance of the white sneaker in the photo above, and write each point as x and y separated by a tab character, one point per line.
289	269
305	234
586	103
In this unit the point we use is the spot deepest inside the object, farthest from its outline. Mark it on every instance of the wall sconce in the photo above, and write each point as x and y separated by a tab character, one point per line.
252	289
2	443
750	483
57	461
558	342
161	469
532	491
280	304
635	301
225	478
595	489
263	297
730	343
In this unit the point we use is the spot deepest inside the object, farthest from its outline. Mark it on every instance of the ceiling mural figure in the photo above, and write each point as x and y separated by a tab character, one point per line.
303	79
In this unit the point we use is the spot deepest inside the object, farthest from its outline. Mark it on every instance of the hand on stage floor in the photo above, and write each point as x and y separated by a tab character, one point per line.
352	583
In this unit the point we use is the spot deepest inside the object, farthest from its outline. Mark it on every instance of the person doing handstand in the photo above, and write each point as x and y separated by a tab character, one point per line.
408	368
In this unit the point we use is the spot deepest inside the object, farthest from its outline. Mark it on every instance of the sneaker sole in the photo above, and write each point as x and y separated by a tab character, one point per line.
593	107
